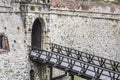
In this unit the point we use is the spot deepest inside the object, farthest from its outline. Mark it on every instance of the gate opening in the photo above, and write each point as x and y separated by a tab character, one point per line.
36	33
36	41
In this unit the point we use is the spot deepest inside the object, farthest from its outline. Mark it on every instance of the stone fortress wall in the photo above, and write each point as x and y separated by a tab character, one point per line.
14	65
87	26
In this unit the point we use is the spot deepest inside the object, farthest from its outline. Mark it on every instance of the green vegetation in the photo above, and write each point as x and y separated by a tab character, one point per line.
32	8
107	1
117	1
78	78
118	68
28	1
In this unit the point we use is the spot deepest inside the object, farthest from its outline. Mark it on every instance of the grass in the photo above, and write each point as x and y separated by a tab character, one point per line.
118	68
78	78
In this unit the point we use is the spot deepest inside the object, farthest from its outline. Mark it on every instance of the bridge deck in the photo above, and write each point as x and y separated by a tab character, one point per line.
77	65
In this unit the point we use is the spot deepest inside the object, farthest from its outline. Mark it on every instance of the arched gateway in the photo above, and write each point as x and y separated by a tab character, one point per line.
37	33
36	41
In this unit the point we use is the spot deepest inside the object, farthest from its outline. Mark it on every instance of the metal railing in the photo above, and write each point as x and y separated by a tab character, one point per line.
77	63
90	58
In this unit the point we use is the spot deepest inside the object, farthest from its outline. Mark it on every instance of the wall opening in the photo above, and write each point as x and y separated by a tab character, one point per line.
37	41
1	38
37	33
31	74
4	44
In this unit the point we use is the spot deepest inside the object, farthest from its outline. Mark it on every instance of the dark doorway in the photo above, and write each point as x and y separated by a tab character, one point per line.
36	33
1	40
36	41
31	74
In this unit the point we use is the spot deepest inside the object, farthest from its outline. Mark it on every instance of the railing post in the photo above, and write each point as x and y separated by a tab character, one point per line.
51	72
31	74
72	76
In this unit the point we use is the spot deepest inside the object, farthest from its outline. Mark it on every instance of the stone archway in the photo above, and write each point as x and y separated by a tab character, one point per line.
36	33
36	41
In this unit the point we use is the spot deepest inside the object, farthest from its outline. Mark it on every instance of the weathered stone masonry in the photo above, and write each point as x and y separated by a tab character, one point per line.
93	28
89	27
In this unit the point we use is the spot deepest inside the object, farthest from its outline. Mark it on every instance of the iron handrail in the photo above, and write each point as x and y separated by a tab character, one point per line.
90	58
97	69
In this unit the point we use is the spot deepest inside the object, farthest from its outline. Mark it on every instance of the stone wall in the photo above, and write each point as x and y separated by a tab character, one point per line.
90	27
86	26
14	65
17	24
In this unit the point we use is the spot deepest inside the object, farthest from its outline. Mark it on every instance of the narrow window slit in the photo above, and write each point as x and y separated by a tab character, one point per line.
4	43
1	40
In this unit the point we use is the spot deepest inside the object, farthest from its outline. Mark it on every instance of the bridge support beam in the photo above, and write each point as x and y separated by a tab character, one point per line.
51	72
58	77
72	76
